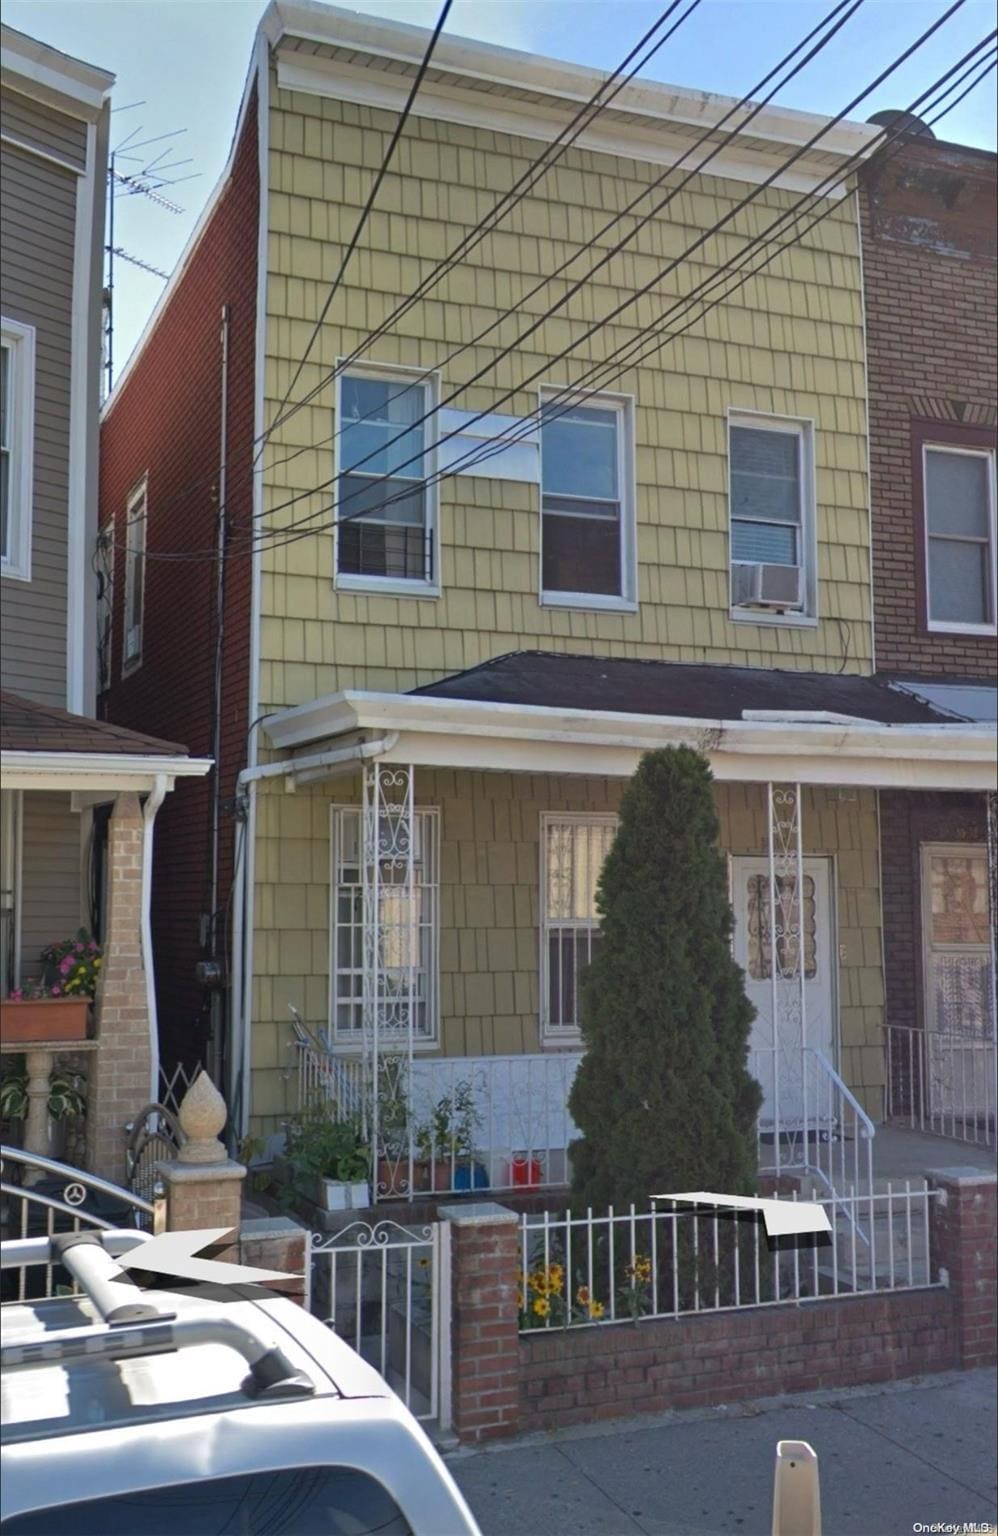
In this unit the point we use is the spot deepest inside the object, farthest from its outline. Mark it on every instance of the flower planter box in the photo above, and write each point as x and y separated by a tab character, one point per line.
54	1020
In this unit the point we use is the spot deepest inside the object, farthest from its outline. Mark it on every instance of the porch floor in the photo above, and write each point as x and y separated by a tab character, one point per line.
900	1154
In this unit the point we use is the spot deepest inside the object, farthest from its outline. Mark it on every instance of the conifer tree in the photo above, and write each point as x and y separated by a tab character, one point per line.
663	1098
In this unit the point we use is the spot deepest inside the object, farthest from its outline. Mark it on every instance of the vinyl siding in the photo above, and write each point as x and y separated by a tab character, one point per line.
39	203
51	890
45	128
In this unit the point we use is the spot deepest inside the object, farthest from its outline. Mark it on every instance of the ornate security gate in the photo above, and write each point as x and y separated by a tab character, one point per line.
385	1289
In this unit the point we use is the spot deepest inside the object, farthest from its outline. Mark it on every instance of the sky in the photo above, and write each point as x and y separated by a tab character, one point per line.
185	61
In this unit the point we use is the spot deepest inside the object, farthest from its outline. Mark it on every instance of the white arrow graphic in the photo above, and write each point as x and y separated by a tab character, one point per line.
783	1218
172	1253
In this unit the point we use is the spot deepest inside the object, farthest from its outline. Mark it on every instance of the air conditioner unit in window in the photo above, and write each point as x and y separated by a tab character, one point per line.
767	586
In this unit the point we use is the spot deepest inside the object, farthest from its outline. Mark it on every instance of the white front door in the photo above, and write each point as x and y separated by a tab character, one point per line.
774	1058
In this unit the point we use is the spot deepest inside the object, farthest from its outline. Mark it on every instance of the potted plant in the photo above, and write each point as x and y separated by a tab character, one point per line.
64	1100
56	1007
328	1155
446	1142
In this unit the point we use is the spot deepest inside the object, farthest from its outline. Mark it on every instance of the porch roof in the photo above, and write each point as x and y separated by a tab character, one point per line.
535	713
47	748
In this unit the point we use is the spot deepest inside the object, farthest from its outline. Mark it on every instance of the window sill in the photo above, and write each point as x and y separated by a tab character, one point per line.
353	1050
10	570
984	630
388	586
590	601
569	1040
777	620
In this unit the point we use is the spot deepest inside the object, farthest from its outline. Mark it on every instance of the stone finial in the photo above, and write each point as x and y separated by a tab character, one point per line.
202	1115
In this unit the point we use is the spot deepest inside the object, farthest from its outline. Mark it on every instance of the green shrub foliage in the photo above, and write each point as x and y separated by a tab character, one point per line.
663	1098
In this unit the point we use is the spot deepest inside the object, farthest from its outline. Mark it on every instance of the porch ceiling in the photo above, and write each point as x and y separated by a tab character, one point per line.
551	714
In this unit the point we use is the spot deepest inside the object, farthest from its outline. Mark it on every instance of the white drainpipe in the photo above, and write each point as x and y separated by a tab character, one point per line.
153	802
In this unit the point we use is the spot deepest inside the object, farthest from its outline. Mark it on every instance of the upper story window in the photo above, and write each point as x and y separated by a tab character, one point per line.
587	505
959	503
771	481
386	536
17	428
136	520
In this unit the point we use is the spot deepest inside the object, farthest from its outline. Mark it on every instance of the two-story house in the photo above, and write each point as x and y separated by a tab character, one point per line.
931	291
75	840
427	561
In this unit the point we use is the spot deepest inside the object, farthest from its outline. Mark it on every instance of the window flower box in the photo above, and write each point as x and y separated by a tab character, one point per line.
54	1020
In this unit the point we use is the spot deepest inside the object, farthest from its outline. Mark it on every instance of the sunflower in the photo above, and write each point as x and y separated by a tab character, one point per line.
582	1295
596	1310
542	1307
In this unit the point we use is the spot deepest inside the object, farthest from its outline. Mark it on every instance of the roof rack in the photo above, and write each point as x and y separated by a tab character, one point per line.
133	1325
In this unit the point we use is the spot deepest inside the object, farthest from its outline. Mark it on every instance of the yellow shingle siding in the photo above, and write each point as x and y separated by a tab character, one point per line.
789	342
490	827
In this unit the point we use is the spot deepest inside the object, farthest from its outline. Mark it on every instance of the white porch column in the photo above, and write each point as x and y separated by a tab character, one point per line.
391	940
787	969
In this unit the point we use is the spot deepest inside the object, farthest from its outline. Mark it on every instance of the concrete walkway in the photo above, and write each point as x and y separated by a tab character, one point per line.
890	1459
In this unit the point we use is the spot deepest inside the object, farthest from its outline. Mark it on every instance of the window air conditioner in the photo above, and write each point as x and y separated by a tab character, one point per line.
767	586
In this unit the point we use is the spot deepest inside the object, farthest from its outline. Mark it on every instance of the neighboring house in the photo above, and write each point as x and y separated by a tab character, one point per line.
931	292
66	861
430	697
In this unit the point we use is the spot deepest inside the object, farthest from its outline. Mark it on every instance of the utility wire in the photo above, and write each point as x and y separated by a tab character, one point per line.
371	198
749	99
290	533
509	199
596	326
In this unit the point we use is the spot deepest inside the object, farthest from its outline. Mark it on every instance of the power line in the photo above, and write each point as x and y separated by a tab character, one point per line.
371	196
509	199
618	309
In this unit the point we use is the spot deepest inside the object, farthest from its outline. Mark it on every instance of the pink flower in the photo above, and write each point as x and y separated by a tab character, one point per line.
56	991
17	996
78	948
65	965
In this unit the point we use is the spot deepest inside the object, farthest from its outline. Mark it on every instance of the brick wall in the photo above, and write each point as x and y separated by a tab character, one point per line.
164	422
928	218
906	821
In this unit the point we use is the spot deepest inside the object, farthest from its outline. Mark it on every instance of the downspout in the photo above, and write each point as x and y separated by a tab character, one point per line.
153	802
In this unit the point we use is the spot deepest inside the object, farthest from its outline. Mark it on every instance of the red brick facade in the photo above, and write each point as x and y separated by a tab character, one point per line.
929	218
164	422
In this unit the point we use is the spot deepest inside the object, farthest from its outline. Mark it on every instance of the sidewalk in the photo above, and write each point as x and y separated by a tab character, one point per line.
891	1459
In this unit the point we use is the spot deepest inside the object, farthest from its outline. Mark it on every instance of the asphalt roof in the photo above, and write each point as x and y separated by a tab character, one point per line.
697	691
26	726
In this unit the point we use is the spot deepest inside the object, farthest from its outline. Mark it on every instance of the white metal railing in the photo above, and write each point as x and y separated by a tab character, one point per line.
828	1134
464	1122
578	1270
941	1083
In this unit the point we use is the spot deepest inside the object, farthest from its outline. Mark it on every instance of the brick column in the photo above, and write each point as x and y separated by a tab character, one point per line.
485	1343
121	1066
204	1187
964	1234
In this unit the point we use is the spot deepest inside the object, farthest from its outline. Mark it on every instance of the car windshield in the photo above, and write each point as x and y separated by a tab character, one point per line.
296	1501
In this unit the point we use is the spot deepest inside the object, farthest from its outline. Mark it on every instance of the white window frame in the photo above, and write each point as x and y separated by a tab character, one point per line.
804	429
560	1034
131	650
950	626
394	586
105	606
350	1042
19	340
627	601
928	852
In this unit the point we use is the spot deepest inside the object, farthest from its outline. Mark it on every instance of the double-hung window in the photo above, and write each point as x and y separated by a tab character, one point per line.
17	412
406	941
573	850
587	504
959	495
770	479
386	512
136	520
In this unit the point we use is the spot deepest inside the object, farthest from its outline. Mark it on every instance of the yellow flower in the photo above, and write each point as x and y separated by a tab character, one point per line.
555	1283
582	1295
596	1310
541	1307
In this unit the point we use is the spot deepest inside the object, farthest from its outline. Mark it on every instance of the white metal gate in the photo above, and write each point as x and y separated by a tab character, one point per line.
385	1289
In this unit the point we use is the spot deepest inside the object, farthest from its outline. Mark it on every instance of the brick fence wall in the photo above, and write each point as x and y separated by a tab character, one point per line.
504	1383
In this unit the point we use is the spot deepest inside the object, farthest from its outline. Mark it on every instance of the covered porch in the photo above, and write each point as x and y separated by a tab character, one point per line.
464	826
67	879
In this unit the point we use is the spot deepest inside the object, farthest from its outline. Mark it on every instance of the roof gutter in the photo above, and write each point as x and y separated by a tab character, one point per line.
314	765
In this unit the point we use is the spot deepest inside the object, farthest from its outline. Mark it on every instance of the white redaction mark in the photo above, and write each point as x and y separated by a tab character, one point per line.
782	1217
172	1254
